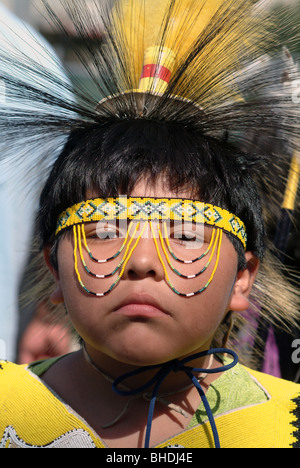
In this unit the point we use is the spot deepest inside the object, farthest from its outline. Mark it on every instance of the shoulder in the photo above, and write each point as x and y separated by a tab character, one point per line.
12	374
14	392
17	380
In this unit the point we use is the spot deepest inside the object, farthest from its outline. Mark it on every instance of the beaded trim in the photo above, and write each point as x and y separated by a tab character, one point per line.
123	264
152	209
216	242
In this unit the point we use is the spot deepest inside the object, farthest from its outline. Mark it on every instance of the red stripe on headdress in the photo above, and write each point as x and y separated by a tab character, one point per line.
156	71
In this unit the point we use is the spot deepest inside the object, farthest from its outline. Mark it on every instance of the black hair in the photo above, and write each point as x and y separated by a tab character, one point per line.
109	160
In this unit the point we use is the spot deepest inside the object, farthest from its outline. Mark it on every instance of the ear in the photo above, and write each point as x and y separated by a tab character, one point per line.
57	296
239	301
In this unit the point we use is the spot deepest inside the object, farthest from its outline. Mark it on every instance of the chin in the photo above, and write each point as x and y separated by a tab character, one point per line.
143	359
141	356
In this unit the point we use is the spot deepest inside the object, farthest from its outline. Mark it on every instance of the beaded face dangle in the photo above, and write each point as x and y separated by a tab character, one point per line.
108	231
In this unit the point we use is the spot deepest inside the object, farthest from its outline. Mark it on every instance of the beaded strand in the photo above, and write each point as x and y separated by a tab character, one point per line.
199	258
216	240
107	259
167	276
104	261
122	271
186	262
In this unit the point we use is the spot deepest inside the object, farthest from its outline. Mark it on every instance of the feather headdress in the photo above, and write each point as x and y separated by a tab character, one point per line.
206	64
199	62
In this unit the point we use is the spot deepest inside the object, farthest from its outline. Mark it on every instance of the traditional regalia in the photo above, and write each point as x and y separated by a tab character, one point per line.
212	68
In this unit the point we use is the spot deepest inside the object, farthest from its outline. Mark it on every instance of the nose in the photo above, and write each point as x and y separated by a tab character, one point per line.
144	261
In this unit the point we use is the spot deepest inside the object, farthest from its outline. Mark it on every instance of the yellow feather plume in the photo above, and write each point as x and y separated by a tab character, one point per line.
211	37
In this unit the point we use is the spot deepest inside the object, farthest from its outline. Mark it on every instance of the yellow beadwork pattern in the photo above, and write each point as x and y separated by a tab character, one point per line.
152	209
31	416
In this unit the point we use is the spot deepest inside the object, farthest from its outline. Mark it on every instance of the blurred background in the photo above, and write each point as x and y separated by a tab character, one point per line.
16	324
31	12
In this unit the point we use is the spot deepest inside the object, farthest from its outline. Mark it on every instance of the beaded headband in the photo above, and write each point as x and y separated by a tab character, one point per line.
152	209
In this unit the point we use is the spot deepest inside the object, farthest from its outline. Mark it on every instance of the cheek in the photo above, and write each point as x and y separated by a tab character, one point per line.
87	312
211	306
205	312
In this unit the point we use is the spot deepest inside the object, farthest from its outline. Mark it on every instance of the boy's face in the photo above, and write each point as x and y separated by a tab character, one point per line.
142	321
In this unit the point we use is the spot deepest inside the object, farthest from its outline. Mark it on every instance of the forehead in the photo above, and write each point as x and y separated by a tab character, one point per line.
148	187
159	189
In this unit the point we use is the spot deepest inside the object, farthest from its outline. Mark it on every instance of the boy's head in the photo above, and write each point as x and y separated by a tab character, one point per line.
142	321
140	158
109	160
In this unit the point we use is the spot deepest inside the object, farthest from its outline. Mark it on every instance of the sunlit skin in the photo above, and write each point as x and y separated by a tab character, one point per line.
142	321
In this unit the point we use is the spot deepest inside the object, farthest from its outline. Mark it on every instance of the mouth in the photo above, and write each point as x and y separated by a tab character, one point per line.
141	305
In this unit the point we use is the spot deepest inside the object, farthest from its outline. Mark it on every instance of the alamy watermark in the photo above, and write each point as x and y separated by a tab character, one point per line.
2	350
296	353
2	92
296	92
192	234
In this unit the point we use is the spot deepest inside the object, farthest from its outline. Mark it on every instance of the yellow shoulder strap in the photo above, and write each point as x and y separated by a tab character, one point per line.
266	425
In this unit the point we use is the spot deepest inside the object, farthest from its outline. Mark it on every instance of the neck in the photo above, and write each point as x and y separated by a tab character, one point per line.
163	372
111	369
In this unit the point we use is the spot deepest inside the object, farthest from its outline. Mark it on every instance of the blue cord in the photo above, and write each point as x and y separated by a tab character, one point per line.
161	375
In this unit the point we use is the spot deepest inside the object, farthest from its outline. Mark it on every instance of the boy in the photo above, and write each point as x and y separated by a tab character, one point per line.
152	225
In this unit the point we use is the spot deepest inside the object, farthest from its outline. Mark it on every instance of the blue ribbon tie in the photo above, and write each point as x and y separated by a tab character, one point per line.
176	366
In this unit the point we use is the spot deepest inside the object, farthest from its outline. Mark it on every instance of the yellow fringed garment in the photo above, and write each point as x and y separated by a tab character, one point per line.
31	416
